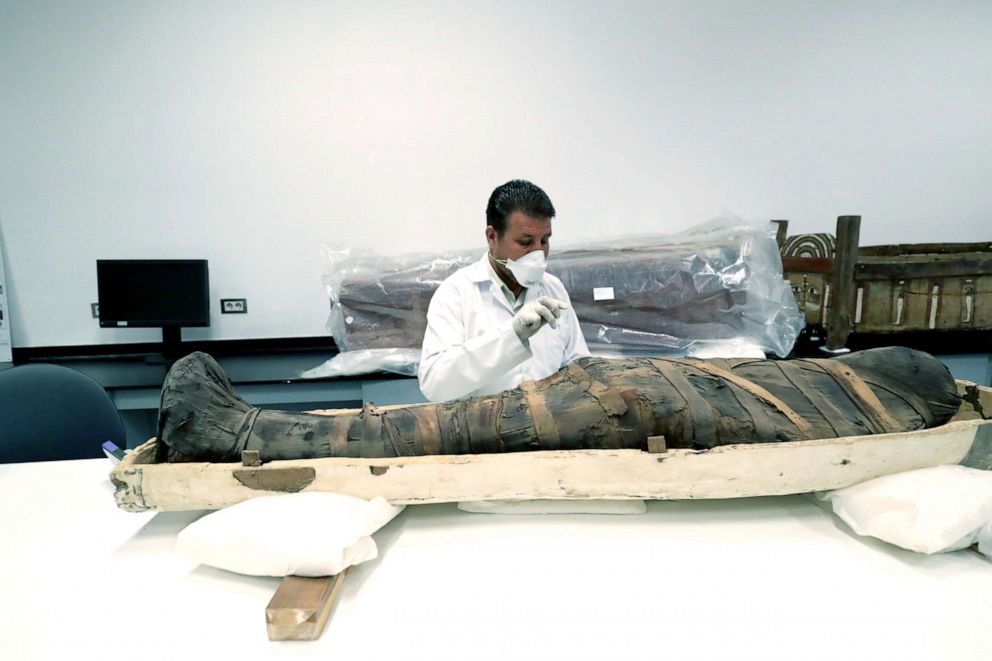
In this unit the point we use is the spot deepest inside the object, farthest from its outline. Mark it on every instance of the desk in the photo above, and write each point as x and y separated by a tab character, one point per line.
762	578
267	380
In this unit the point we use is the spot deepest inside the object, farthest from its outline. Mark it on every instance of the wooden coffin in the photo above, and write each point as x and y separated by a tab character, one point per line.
728	471
903	288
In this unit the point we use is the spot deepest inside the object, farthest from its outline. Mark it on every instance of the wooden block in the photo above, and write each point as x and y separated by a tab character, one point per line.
301	606
657	444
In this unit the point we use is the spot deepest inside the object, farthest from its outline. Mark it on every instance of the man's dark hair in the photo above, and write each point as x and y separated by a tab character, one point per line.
517	195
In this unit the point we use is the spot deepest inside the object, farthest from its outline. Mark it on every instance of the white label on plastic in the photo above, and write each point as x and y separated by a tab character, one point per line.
602	293
122	323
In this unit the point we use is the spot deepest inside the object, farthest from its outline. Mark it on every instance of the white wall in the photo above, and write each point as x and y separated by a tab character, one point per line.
248	133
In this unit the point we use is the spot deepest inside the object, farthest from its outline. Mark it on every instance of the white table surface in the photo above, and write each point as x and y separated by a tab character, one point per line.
761	578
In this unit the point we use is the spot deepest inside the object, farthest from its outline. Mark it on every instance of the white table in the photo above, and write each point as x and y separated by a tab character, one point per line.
763	578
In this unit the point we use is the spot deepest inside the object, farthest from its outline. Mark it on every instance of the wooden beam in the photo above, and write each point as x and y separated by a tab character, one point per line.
807	265
780	232
301	606
905	249
839	318
922	267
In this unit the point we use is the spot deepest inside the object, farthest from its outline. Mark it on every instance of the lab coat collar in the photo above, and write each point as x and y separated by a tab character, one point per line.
479	272
495	284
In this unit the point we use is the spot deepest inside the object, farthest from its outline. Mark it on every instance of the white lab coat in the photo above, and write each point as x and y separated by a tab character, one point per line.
470	347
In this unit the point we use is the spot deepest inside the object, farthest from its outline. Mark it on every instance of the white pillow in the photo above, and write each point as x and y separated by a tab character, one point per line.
554	506
985	539
301	534
929	510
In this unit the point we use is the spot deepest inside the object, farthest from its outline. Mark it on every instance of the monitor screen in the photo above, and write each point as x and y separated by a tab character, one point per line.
153	292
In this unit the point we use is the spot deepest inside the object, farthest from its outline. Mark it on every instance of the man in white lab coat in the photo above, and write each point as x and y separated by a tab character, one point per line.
502	320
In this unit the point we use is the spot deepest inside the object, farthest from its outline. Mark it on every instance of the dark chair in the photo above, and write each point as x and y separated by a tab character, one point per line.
50	412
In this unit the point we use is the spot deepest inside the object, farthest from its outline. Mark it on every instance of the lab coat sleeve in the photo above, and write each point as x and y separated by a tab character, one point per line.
451	365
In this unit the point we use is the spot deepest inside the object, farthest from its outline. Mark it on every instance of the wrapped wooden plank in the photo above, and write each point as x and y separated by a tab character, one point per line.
651	294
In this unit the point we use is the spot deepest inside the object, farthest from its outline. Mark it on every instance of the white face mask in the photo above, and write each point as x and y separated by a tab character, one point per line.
529	269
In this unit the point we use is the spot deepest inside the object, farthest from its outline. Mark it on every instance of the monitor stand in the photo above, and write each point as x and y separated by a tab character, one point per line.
172	347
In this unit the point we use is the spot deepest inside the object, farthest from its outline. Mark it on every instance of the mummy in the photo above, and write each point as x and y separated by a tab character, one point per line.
594	403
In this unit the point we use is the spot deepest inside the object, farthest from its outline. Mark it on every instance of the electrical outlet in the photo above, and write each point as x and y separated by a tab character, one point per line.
95	310
233	306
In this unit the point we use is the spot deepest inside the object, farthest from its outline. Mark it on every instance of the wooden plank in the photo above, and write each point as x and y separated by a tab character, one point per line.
729	471
838	319
982	302
781	231
980	455
879	299
807	265
921	267
917	304
301	606
901	249
976	397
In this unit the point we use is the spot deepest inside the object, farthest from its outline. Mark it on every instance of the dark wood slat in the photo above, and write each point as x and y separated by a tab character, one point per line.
807	265
900	249
965	265
839	318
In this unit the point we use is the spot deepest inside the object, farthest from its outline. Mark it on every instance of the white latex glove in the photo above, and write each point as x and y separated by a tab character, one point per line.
530	319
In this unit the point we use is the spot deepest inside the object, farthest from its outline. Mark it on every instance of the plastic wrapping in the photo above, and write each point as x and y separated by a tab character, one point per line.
381	302
716	289
363	361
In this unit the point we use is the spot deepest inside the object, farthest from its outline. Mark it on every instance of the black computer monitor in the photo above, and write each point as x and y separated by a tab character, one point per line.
154	293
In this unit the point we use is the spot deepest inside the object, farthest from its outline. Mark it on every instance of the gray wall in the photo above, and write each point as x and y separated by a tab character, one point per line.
249	133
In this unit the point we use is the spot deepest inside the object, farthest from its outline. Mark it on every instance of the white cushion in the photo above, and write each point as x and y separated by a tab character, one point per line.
302	534
554	506
929	510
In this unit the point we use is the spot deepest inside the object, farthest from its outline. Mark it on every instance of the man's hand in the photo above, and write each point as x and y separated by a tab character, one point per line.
545	310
